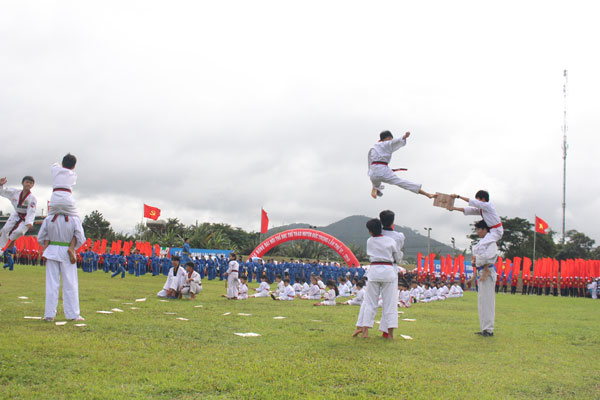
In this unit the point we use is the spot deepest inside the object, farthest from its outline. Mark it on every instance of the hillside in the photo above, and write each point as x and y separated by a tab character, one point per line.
351	230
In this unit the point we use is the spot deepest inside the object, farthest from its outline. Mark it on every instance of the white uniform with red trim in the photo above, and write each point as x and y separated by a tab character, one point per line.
232	279
491	218
379	157
383	281
242	292
329	298
61	230
358	300
262	290
288	293
61	201
16	225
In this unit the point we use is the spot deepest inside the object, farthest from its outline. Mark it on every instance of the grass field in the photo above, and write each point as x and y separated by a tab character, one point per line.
544	347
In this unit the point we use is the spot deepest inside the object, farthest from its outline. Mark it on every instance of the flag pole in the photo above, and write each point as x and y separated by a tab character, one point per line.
534	239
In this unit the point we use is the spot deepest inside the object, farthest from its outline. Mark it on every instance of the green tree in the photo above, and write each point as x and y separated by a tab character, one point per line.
96	227
578	245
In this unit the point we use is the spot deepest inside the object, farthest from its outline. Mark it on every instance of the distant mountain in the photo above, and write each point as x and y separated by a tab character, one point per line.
352	230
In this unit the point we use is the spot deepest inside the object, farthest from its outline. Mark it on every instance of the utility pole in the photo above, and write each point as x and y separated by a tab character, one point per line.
564	149
428	239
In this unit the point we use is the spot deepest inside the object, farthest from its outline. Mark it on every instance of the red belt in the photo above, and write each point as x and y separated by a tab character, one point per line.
382	263
379	163
496	226
61	190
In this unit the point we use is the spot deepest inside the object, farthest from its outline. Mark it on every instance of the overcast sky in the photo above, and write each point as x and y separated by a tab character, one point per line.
212	110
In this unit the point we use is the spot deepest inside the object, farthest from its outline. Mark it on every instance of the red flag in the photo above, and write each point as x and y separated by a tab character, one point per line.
540	225
264	221
419	257
526	266
103	246
499	266
508	267
517	265
157	250
449	264
96	246
151	212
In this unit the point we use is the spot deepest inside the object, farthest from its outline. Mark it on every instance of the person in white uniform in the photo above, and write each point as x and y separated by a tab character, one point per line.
481	206
232	277
25	204
243	288
484	258
314	291
263	289
382	280
192	284
330	295
387	221
175	279
360	295
379	158
56	233
288	293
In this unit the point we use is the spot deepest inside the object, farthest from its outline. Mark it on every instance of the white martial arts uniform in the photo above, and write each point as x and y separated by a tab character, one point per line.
175	279
297	287
61	201
454	292
415	294
263	290
232	279
358	300
279	290
314	293
329	298
404	298
194	286
490	216
382	280
288	293
343	290
305	287
443	293
16	225
242	292
60	230
381	154
322	286
426	296
486	253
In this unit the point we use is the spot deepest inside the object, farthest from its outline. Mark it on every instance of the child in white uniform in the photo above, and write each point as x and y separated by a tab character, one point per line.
382	252
379	157
330	295
481	206
343	289
243	289
360	295
287	294
192	284
263	289
61	201
314	292
232	277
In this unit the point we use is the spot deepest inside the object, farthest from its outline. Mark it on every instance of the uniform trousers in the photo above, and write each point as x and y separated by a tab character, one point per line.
383	174
389	310
54	271
232	285
19	231
486	302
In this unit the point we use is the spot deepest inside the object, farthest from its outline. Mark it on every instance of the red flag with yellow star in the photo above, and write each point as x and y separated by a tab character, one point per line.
540	225
151	212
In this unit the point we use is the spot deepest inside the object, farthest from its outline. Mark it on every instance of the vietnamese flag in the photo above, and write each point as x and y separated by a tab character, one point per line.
151	212
264	221
540	225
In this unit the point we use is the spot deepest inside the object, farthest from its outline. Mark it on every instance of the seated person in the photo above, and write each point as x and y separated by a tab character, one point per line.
175	279
192	284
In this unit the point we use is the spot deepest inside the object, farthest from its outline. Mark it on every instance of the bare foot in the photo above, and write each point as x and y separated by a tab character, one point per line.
356	332
364	335
72	256
374	193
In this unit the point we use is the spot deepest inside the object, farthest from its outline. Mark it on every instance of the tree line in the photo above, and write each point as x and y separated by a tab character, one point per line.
516	242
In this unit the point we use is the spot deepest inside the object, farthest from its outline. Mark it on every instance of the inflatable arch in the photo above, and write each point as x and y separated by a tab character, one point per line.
307	234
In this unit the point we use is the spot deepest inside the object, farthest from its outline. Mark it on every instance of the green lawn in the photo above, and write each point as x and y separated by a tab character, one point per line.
544	347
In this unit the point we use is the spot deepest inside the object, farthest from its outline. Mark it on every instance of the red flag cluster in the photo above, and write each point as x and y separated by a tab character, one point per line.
100	247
